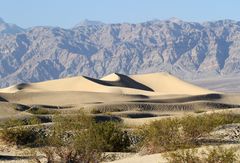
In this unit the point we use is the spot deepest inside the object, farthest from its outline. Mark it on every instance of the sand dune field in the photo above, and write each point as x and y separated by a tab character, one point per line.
134	100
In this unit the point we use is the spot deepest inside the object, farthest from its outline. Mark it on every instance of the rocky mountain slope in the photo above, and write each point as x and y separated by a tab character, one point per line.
189	50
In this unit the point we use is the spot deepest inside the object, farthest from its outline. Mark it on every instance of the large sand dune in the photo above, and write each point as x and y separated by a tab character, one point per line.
146	84
112	88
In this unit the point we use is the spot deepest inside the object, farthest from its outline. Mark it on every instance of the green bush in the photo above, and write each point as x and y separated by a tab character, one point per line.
221	155
214	155
176	133
197	126
74	122
113	138
96	111
16	131
79	138
109	134
20	122
163	135
183	156
23	136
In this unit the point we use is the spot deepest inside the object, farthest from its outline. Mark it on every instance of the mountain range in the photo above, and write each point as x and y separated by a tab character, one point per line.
189	50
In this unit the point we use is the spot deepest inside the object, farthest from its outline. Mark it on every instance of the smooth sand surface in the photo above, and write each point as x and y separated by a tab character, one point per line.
153	158
168	84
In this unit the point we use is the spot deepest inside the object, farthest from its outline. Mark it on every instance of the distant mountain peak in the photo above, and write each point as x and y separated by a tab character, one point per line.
87	22
175	20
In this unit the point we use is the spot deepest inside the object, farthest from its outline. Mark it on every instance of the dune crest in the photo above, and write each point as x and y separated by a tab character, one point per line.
111	77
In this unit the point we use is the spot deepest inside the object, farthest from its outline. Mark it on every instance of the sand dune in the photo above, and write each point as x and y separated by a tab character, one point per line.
165	83
82	90
80	83
146	84
160	83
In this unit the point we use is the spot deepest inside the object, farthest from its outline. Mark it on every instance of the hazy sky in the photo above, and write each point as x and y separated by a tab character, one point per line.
67	13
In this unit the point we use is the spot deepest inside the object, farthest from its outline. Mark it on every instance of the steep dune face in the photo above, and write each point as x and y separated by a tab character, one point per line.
120	80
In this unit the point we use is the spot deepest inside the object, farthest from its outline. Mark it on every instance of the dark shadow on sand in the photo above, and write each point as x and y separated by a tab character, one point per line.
125	81
11	158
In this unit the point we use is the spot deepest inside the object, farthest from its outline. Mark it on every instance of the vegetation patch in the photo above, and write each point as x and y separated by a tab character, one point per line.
83	138
14	122
213	155
80	139
178	133
23	136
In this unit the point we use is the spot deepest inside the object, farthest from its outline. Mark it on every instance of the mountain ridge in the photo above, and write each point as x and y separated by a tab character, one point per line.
189	50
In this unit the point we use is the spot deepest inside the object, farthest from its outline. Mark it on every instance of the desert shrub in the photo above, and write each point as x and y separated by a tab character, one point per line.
109	134
17	131
95	111
214	155
20	122
162	135
183	156
172	134
33	121
221	155
74	122
197	126
113	138
22	136
69	155
79	138
11	123
71	140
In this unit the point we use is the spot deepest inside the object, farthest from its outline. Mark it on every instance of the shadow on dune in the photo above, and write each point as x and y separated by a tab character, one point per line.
51	106
184	99
3	99
149	106
20	107
9	158
21	86
138	115
124	81
104	118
